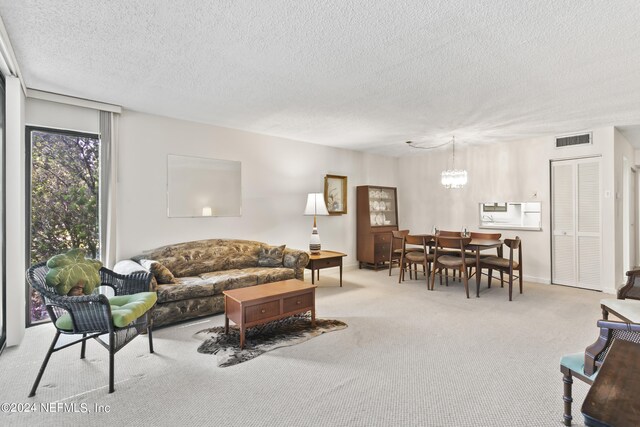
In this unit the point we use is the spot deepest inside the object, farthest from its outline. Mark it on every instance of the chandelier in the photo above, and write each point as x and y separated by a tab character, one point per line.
450	178
453	178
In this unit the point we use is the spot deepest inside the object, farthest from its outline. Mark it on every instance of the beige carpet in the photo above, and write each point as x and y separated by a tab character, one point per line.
409	357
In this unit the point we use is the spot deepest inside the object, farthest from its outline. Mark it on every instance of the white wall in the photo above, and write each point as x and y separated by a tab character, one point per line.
502	172
277	174
15	214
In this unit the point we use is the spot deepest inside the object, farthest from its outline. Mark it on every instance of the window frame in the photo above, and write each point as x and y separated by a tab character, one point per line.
3	225
29	129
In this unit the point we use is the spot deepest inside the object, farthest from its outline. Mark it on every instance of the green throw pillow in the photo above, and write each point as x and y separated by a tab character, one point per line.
72	274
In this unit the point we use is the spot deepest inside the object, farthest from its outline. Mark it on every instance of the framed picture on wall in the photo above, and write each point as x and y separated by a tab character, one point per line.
335	194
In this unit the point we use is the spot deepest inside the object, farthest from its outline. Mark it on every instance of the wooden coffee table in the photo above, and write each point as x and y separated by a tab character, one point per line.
261	304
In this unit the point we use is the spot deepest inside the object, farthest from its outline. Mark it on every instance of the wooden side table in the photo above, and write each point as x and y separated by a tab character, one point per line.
325	259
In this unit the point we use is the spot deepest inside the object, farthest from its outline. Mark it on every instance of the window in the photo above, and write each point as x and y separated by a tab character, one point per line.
62	193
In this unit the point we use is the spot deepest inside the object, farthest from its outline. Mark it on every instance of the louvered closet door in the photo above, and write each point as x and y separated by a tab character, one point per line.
563	219
576	211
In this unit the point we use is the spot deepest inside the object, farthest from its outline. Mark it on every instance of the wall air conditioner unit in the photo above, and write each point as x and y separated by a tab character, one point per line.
569	140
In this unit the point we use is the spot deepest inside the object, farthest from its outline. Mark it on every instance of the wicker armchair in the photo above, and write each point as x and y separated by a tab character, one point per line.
585	365
91	315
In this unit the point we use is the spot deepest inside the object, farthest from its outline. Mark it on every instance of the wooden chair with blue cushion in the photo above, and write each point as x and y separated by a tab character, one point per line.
585	365
121	317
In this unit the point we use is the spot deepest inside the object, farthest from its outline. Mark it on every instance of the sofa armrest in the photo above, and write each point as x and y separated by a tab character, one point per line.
127	266
296	259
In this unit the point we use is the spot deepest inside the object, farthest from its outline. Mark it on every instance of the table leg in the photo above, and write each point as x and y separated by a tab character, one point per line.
242	331
318	270
226	324
478	273
313	276
313	316
340	272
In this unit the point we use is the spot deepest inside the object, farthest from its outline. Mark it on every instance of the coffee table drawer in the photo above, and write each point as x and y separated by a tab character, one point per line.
261	311
298	302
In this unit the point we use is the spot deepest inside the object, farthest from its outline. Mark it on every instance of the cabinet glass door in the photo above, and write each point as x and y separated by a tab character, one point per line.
382	207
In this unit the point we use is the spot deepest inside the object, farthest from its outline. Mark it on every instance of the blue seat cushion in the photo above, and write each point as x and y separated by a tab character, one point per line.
124	309
575	362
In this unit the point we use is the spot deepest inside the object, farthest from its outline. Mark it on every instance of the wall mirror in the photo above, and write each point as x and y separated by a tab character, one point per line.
511	215
198	187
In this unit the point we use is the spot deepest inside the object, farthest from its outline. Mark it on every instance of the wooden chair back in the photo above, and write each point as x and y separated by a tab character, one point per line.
417	240
445	233
397	243
513	244
487	236
452	242
399	234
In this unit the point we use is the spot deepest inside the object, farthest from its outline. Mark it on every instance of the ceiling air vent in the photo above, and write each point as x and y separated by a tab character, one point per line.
567	141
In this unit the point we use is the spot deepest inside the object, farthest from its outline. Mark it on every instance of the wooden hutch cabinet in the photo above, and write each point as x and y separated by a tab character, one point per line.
377	210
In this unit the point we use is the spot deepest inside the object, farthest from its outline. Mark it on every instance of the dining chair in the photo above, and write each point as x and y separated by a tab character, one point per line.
394	250
483	236
585	365
445	259
415	251
505	265
113	322
446	233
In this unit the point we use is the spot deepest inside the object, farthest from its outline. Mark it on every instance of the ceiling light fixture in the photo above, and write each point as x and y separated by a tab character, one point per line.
453	178
450	178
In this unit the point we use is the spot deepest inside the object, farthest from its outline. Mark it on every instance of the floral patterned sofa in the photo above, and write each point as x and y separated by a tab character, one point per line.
190	277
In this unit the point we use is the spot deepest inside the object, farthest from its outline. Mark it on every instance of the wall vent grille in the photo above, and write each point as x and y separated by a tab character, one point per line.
567	141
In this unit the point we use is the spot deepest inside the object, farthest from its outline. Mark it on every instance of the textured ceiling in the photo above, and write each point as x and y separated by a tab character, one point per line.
366	75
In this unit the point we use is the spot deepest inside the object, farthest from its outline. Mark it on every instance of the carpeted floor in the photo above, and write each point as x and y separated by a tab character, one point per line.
409	357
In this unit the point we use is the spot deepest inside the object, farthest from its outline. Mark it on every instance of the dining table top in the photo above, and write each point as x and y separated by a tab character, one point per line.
475	242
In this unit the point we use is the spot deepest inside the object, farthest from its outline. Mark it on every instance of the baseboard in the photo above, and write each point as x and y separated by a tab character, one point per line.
533	279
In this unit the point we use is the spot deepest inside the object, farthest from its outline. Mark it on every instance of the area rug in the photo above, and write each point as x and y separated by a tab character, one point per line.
261	339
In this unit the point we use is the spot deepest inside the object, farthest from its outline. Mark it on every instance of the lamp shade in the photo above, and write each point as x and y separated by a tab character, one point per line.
316	205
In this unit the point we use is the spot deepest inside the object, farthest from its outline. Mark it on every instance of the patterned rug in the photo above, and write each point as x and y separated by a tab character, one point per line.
261	339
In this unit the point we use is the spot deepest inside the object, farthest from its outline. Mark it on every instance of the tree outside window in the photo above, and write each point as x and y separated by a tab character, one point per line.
64	199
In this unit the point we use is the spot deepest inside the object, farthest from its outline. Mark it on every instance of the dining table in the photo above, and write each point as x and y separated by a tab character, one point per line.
476	246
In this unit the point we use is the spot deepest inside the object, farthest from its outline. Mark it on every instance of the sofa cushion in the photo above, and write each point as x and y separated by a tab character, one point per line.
271	256
271	274
205	285
231	279
203	256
